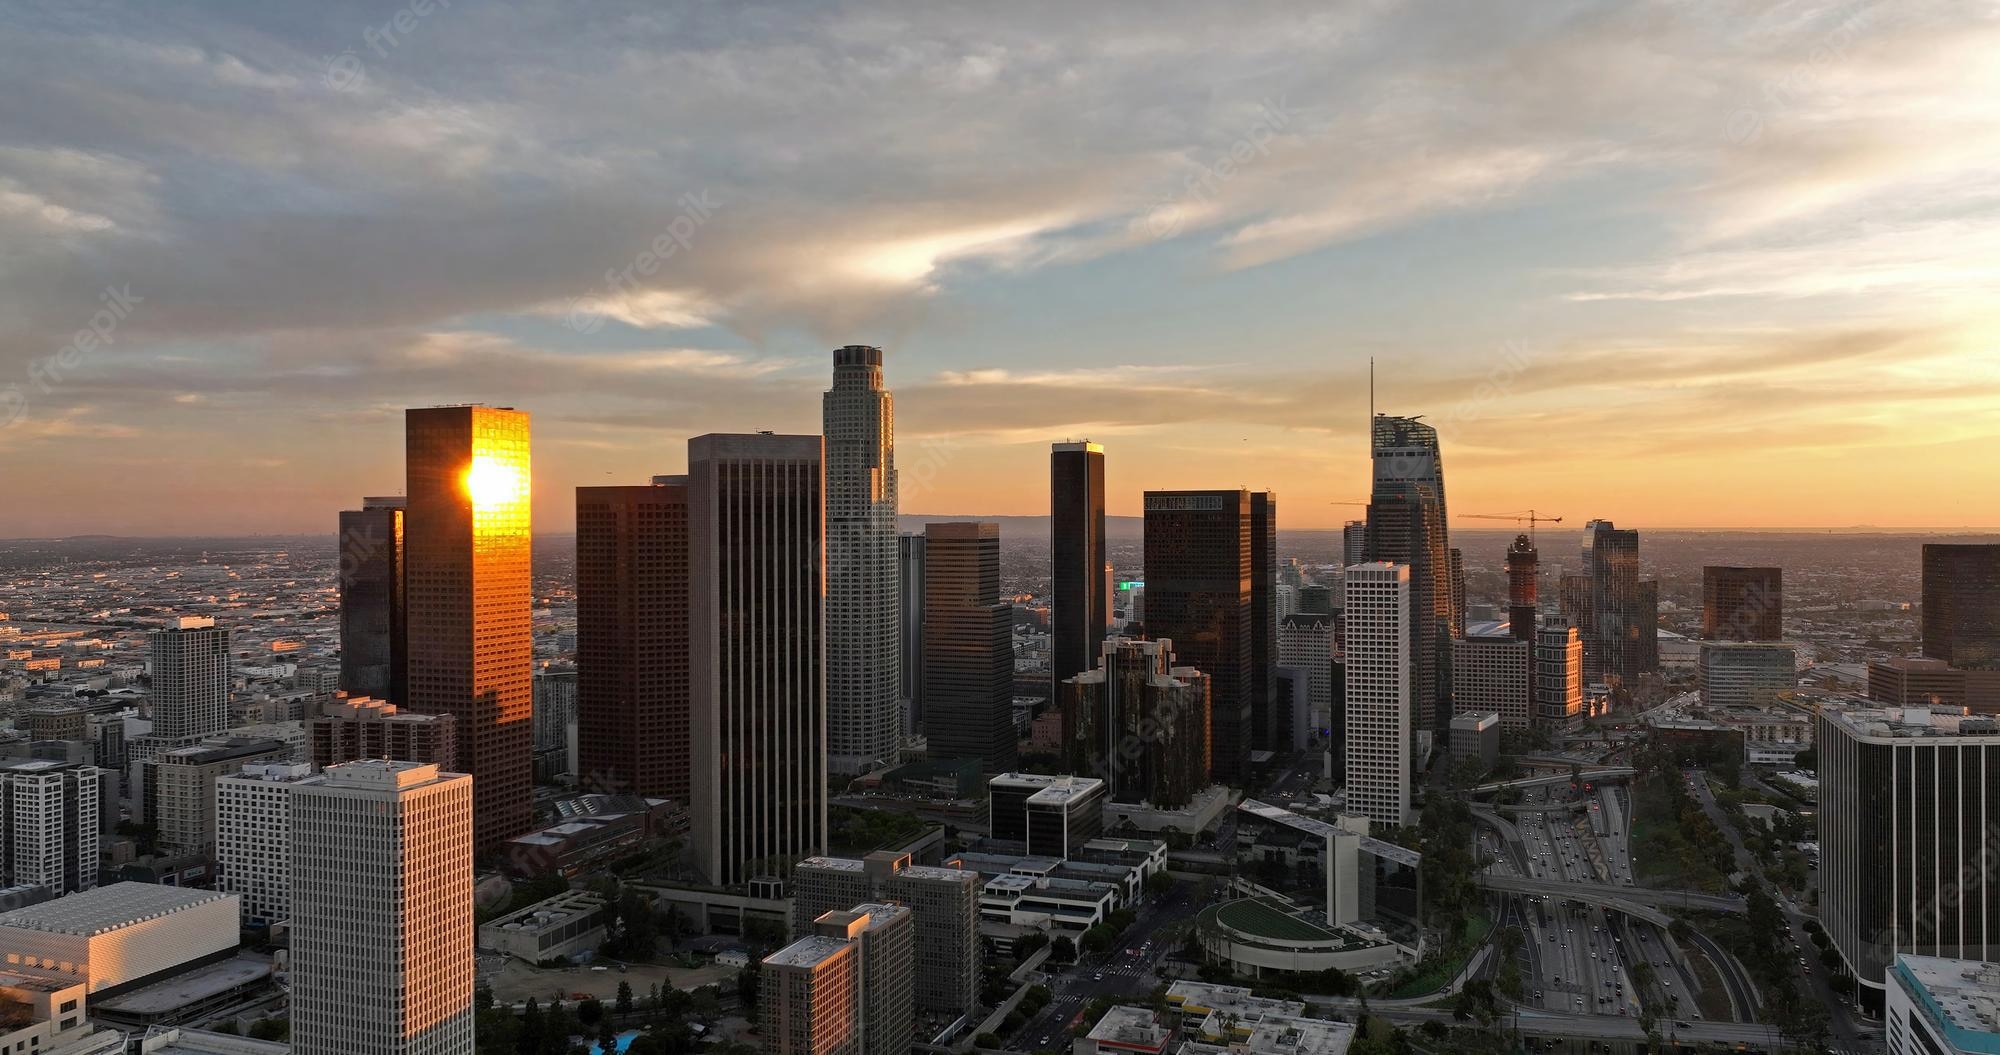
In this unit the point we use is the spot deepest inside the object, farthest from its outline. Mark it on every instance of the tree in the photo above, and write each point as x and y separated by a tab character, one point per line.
624	1003
1027	944
1159	884
749	981
590	1012
1063	949
641	927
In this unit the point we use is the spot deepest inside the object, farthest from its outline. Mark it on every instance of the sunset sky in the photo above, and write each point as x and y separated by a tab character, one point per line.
1685	263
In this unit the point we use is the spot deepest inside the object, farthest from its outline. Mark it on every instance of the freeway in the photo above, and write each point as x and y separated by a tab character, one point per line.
1595	773
1604	893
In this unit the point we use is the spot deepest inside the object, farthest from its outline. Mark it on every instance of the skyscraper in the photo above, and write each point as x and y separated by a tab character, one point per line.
1406	525
1626	621
1353	543
382	929
1268	729
1076	560
1198	594
1307	641
848	988
1381	706
470	600
1522	565
253	837
1742	604
1458	599
1907	801
190	679
371	600
910	611
1558	671
1139	723
968	647
863	652
1962	605
49	825
757	585
632	638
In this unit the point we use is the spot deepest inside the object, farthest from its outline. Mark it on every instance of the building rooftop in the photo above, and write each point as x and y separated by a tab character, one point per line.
107	908
1962	995
1905	723
806	952
1128	1027
834	864
184	989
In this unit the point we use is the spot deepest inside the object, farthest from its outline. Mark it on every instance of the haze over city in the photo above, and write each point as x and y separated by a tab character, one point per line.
1677	264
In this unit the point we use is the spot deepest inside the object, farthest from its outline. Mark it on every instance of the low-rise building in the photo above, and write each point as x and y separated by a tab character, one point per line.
1048	815
1937	1006
554	929
122	935
1127	1030
51	1020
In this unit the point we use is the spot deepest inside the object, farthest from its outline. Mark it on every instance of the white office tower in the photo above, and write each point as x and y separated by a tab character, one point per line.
49	825
1380	709
382	911
253	838
864	724
1306	641
190	672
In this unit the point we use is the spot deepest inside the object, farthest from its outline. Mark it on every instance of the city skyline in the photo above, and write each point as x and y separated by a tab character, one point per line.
1193	272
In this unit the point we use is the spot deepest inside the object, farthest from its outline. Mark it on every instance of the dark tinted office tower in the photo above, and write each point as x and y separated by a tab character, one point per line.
1625	611
1316	600
757	709
1406	525
1076	559
968	647
371	599
910	610
863	685
1522	562
1139	723
1353	543
1267	732
1906	830
469	600
1962	605
1198	576
632	638
1742	604
1457	592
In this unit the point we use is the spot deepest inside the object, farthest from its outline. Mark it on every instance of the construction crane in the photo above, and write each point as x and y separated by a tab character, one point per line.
1528	516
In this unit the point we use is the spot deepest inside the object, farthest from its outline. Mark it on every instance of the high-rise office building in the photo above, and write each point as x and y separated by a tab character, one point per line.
1741	673
353	728
1558	671
1523	565
253	837
1051	816
1907	800
632	654
1308	643
1939	1006
756	615
554	728
50	825
1079	617
1380	702
179	786
1961	597
1317	600
371	599
1625	611
190	679
945	902
910	613
968	647
469	599
864	724
1494	674
1458	599
382	930
1909	681
1742	604
1198	595
1353	543
1139	723
1406	525
848	988
1268	730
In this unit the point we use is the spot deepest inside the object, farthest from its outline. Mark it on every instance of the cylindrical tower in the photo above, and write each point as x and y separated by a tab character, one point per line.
1521	562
